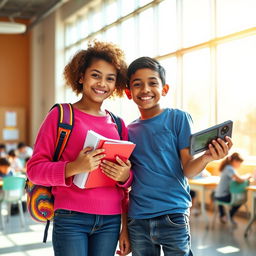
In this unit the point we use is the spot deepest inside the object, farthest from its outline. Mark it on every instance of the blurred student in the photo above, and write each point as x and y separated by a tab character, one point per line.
23	151
5	168
16	164
228	173
2	150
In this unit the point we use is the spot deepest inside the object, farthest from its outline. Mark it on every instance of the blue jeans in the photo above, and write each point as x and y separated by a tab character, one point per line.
82	234
171	232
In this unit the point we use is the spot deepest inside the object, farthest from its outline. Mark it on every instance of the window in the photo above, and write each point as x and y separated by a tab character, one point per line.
207	48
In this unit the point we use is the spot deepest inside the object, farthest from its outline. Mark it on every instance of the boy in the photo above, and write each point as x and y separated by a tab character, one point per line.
159	199
5	168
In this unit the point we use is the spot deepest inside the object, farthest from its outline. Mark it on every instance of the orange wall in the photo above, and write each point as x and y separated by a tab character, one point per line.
15	73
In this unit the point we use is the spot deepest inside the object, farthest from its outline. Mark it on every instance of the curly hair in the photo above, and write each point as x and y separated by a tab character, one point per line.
109	52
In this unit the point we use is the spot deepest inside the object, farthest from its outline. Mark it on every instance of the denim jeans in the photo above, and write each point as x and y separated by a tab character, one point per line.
171	232
82	234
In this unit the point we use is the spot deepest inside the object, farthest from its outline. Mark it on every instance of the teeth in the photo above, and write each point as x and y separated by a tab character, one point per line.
99	91
146	98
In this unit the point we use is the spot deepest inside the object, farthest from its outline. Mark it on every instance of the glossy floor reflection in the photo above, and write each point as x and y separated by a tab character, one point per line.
16	241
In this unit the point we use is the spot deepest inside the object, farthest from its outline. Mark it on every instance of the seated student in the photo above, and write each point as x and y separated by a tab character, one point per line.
2	150
5	168
23	152
16	164
228	173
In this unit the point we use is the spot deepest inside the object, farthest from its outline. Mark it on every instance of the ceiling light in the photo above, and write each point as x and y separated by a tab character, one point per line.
12	28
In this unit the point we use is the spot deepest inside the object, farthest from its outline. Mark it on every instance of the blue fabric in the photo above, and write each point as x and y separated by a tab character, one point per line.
82	234
169	232
159	186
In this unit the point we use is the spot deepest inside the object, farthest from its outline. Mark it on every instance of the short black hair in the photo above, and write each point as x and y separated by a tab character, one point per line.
21	145
146	62
2	146
4	162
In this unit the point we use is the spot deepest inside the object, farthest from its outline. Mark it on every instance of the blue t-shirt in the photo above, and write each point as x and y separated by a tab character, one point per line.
159	186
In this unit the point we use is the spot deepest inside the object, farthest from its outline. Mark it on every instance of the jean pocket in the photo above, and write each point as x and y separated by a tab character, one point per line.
178	220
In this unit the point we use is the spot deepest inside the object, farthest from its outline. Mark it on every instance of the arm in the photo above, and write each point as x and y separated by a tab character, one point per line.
124	243
217	150
240	179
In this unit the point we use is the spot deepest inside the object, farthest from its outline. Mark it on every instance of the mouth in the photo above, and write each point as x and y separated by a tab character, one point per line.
145	98
99	91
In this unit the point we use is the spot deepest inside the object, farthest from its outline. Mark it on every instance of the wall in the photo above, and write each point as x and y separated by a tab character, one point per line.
15	74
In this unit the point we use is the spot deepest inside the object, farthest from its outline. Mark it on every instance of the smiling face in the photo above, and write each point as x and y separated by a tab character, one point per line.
99	81
146	89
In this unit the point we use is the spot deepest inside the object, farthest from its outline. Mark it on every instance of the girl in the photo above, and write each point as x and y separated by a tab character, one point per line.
86	221
228	172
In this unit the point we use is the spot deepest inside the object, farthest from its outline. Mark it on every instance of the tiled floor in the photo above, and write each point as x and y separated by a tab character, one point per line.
16	241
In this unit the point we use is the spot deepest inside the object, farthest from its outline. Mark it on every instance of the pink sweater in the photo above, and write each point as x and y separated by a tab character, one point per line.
41	170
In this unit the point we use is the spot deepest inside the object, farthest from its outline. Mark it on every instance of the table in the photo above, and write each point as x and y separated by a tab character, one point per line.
252	189
202	185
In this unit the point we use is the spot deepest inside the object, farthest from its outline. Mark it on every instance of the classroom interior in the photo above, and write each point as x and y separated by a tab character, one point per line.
208	48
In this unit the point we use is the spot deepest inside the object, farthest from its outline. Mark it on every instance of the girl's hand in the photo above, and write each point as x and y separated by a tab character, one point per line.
86	161
124	243
119	171
218	149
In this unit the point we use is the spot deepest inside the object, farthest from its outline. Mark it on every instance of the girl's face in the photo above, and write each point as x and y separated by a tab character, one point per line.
99	81
236	164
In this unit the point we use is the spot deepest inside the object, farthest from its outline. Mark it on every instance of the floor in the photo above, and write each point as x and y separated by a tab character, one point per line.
16	241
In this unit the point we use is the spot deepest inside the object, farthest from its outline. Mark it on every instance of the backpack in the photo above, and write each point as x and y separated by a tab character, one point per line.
40	201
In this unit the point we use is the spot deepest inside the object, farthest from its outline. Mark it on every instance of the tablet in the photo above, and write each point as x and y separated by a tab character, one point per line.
199	141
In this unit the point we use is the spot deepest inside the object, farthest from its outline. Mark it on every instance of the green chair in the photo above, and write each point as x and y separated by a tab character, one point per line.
238	197
13	191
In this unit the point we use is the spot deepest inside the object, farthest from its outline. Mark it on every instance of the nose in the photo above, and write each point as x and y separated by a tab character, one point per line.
145	88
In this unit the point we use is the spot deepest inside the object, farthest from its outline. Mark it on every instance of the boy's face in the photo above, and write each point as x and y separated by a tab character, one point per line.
146	88
4	169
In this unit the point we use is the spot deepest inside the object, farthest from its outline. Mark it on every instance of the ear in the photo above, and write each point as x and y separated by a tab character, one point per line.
81	80
128	93
165	89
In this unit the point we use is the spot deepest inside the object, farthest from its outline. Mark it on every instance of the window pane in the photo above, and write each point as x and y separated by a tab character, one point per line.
111	35
144	2
170	66
196	22
111	14
236	80
128	39
167	27
127	6
96	20
146	36
235	15
197	97
71	35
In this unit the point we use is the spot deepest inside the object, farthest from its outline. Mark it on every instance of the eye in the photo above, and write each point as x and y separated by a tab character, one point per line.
95	75
111	79
153	84
136	85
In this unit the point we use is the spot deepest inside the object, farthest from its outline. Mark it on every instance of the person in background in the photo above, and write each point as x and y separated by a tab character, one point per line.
16	163
5	168
2	150
228	171
23	151
159	198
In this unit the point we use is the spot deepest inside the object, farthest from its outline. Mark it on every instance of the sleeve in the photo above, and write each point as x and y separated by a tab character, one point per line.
41	169
184	128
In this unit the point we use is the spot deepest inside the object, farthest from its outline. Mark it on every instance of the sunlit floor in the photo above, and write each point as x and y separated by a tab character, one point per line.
15	241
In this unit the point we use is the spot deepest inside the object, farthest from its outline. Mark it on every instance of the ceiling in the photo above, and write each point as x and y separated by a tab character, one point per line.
31	10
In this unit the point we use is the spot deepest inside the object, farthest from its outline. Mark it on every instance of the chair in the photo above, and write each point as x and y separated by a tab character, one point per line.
13	190
238	197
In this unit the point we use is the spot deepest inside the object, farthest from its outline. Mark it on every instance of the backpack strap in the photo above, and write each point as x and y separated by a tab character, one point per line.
118	122
65	126
64	129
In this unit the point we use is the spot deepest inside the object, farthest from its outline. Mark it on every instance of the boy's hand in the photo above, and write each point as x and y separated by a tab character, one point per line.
119	171
218	149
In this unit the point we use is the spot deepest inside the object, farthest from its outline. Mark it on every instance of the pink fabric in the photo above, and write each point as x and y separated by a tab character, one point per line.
41	170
